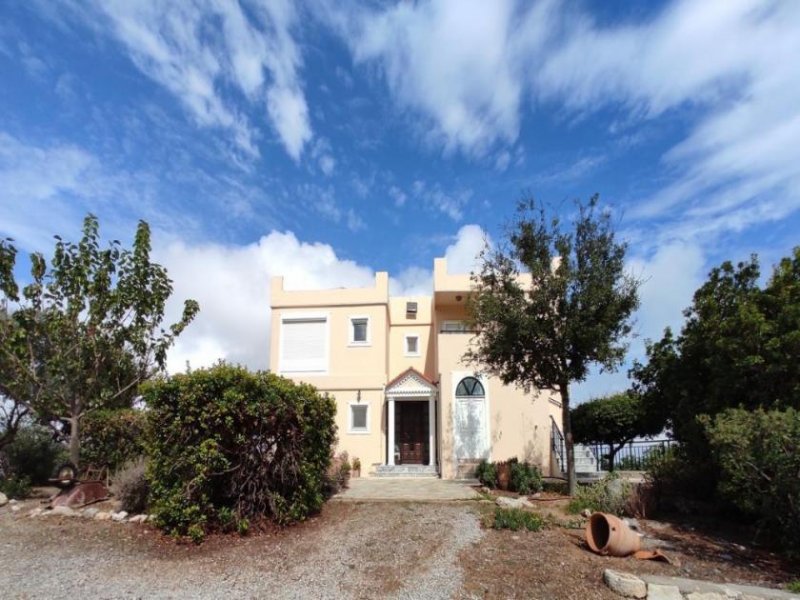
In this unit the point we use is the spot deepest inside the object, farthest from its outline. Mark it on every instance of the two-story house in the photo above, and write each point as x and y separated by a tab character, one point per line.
406	402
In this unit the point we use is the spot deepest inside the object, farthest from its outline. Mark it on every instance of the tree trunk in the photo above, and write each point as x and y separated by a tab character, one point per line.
572	480
611	456
74	441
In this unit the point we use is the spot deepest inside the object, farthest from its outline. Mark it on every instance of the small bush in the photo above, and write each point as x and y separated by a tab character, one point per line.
337	478
609	495
758	456
256	443
34	455
516	519
794	586
112	438
556	487
17	488
130	486
486	473
525	478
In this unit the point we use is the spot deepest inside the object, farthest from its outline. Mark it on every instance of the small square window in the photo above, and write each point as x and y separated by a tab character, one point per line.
412	345
359	330
359	422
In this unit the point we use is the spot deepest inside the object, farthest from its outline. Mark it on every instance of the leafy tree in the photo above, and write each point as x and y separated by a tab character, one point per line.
86	331
614	420
737	348
544	332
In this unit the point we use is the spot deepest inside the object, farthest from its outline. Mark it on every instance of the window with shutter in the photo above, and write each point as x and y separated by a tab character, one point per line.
304	345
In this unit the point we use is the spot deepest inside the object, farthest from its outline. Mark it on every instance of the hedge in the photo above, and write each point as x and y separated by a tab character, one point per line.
758	457
227	441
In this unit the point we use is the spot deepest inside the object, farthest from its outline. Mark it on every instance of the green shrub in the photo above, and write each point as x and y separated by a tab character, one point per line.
516	519
525	478
556	487
609	495
256	443
758	457
34	455
794	586
486	473
111	438
130	486
18	488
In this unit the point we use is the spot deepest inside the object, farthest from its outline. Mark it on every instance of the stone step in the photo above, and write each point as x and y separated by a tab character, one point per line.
405	471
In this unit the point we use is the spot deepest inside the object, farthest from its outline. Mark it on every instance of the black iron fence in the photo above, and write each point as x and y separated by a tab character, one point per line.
633	456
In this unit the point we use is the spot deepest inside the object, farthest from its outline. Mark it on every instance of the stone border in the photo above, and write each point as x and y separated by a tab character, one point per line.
89	513
657	587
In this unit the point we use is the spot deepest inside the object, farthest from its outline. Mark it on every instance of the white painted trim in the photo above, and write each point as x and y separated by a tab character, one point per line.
350	429
350	332
432	431
456	377
390	432
301	315
405	344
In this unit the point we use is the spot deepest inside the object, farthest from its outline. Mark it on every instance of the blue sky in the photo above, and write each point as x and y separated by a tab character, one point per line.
327	140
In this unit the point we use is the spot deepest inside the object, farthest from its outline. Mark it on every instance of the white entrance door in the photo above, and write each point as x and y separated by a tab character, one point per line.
471	441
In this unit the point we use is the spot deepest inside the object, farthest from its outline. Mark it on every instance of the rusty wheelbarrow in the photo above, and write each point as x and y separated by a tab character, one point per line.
76	493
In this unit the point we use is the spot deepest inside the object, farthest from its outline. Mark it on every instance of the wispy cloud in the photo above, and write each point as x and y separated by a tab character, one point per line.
204	52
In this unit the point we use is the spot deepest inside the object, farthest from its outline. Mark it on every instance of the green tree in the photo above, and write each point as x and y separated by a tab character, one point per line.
737	348
87	330
614	420
574	311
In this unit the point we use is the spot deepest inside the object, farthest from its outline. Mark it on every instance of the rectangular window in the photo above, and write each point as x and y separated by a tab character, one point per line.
454	327
304	344
359	331
359	418
412	345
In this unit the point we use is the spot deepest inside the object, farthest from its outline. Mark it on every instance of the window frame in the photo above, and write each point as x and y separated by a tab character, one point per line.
290	316
351	330
407	352
357	431
464	326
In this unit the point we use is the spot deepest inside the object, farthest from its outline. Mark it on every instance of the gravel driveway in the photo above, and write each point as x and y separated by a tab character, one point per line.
399	550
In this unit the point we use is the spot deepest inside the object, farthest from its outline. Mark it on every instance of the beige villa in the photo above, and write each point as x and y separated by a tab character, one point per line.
406	402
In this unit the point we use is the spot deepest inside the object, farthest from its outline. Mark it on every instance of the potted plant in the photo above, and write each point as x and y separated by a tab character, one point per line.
504	475
356	467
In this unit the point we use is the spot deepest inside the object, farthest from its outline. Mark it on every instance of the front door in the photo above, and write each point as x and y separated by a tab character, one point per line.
412	432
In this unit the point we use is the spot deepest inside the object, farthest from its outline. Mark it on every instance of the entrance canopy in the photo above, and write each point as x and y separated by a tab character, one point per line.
410	384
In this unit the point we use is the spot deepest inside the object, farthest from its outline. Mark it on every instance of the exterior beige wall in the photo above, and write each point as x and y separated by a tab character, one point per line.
402	325
518	425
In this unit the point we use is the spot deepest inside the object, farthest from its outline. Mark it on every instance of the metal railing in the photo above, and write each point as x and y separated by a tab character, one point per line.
633	456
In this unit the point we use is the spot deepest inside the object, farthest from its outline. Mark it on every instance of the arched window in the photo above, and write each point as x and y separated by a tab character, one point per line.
469	386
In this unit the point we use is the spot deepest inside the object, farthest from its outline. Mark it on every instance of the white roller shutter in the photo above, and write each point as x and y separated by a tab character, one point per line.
304	344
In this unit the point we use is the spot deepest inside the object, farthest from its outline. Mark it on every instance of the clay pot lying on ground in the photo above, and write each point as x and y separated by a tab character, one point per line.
606	534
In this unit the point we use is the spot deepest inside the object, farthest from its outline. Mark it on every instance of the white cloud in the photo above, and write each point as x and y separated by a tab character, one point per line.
462	254
464	68
452	62
450	203
196	50
231	284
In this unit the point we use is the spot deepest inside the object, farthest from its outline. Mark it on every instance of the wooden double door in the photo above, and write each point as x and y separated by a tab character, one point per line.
411	432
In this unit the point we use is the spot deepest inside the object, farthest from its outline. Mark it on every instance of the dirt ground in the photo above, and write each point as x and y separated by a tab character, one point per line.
357	550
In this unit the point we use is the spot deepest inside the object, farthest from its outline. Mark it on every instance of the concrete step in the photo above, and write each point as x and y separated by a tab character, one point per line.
405	471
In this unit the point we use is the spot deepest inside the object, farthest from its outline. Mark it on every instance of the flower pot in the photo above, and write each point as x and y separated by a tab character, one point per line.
355	473
503	475
606	534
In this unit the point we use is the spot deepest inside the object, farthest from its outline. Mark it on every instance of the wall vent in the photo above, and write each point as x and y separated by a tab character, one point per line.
411	308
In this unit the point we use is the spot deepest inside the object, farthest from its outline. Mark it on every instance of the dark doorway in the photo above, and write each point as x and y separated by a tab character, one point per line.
411	422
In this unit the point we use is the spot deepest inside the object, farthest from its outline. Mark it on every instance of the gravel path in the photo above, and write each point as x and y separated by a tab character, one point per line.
350	551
